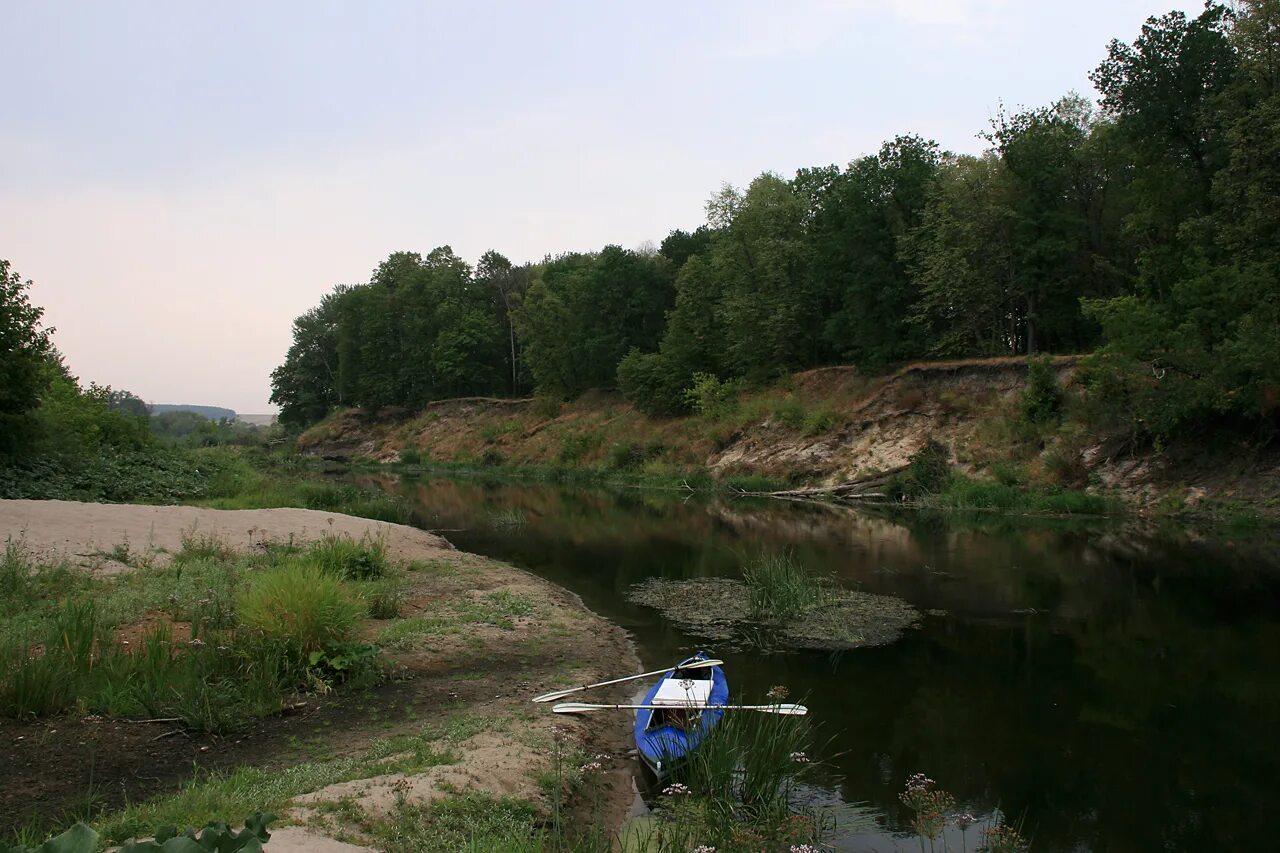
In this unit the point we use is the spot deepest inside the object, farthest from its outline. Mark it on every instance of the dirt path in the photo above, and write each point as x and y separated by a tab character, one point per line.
473	678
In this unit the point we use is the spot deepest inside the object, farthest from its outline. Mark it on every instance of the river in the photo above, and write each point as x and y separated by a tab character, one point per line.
1108	690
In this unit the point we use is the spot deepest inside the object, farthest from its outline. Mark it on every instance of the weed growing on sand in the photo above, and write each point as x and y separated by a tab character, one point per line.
384	598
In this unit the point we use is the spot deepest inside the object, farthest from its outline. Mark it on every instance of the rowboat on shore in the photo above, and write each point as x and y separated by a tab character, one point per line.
678	711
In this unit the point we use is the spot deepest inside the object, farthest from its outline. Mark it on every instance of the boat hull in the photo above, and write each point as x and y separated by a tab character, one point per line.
665	747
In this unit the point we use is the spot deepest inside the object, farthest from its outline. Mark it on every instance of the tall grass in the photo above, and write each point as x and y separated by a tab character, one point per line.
738	789
780	587
298	609
344	557
965	493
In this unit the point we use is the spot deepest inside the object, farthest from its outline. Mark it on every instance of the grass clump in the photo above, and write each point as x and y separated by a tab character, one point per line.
780	587
298	609
343	557
469	822
738	790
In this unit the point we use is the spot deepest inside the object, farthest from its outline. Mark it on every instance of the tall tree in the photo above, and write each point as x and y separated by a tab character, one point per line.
24	349
861	216
305	386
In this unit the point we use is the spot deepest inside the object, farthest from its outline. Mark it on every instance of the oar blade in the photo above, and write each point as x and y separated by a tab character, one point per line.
573	708
790	710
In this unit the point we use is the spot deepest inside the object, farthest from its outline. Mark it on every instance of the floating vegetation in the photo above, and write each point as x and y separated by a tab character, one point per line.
507	518
721	609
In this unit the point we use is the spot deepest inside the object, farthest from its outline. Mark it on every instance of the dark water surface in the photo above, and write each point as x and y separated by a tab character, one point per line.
1113	691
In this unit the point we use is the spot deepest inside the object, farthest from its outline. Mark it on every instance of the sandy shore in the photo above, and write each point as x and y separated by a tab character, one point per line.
86	533
486	672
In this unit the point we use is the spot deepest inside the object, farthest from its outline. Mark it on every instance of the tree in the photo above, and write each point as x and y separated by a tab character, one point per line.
761	263
861	216
305	386
508	286
24	349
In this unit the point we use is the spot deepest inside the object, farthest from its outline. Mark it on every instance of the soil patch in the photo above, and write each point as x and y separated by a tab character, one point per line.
720	609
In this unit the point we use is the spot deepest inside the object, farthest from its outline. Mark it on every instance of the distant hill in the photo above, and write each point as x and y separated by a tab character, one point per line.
257	420
213	413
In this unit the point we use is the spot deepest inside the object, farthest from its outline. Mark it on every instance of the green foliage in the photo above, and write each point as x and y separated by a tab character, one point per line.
77	839
652	384
1042	398
410	456
466	822
576	445
214	838
343	557
583	313
711	397
296	610
781	588
24	350
928	473
741	787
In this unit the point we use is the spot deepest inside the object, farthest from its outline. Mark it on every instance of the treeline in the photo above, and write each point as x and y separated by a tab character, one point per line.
1147	229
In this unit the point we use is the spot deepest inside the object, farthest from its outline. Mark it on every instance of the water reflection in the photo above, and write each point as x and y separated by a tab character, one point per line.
1115	691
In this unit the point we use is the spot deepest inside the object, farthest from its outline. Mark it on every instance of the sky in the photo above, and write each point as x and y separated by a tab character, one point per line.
181	180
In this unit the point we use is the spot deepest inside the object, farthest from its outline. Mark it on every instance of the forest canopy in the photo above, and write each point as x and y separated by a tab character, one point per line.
1144	229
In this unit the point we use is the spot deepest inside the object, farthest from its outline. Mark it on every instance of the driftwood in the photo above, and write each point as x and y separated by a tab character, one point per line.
860	489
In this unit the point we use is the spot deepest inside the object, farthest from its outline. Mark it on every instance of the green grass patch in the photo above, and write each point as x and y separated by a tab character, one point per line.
780	587
963	492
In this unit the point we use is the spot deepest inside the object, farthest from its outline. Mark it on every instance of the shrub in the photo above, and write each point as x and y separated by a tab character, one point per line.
816	423
1042	398
410	456
790	411
711	397
547	407
298	609
630	455
576	445
650	383
928	472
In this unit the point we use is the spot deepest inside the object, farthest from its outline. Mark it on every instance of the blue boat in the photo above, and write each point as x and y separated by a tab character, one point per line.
685	711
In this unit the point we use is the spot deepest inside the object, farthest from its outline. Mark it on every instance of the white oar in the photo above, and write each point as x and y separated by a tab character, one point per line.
583	707
698	664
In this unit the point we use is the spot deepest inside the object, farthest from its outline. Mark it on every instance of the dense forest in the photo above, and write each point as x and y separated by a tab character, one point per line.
1145	229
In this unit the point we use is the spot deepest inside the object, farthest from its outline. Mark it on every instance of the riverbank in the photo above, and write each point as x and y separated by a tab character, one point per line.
835	431
446	732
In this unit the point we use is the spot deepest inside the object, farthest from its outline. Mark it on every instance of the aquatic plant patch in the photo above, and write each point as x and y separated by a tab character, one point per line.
720	609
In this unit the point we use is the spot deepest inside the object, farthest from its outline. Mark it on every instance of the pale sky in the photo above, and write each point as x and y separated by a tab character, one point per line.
181	180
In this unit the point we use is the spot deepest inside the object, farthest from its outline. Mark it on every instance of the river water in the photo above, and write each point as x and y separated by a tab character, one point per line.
1110	690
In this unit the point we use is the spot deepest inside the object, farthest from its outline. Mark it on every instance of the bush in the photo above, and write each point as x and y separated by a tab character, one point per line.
711	397
650	383
547	407
816	423
298	609
1042	398
410	456
928	473
790	411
